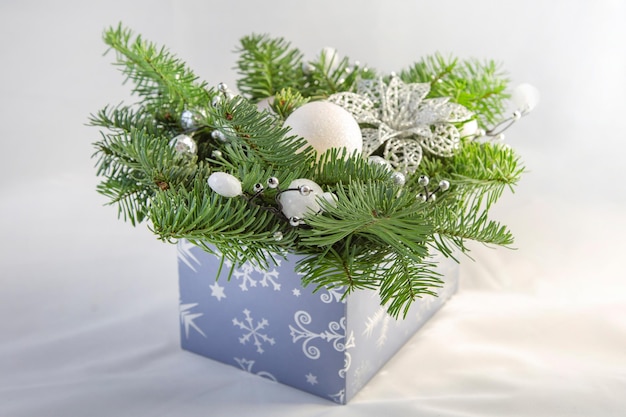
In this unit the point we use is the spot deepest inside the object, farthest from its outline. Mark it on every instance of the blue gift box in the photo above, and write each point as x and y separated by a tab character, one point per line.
266	323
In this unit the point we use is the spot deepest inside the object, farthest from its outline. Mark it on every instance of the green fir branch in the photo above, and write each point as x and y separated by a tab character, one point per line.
479	86
376	234
161	79
266	66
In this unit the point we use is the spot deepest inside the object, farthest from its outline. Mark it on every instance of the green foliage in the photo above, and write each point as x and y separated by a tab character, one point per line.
479	86
268	65
376	235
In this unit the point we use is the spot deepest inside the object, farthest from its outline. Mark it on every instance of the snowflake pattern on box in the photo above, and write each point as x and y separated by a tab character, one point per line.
252	331
319	342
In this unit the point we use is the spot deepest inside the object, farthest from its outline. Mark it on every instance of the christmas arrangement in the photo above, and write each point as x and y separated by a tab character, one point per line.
365	174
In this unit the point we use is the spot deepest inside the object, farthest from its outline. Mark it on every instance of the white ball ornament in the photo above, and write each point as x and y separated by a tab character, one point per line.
301	199
225	184
469	129
326	126
525	97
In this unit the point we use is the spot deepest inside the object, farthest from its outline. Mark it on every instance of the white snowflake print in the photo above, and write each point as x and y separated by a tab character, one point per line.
253	331
186	256
247	273
382	319
217	291
244	273
311	379
296	292
187	318
339	397
270	277
247	365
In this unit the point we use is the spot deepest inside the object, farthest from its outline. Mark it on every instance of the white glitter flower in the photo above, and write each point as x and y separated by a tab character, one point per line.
399	117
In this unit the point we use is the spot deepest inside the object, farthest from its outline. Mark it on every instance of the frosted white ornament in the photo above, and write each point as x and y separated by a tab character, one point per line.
325	126
469	129
525	97
330	198
297	204
225	184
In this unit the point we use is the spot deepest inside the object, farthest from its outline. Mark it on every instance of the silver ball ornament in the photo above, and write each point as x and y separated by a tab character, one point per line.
219	135
398	178
272	182
184	145
423	180
187	120
295	221
305	190
216	101
444	185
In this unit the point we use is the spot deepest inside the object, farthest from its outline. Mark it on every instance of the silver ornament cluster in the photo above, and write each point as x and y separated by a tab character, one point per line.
426	194
401	118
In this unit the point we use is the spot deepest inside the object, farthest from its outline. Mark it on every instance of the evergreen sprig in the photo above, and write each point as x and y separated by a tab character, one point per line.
161	80
374	235
478	86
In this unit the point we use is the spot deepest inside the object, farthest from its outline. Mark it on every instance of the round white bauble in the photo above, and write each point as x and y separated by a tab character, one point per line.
325	126
469	129
295	203
525	97
225	184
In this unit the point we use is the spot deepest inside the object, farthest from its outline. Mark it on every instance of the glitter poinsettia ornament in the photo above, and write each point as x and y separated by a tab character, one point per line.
398	118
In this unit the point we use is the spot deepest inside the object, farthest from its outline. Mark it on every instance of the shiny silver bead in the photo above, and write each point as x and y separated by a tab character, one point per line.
216	153
423	180
222	87
272	182
258	187
295	221
305	190
420	197
444	185
278	236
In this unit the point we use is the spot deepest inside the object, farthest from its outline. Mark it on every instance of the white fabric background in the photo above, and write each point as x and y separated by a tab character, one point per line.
89	305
